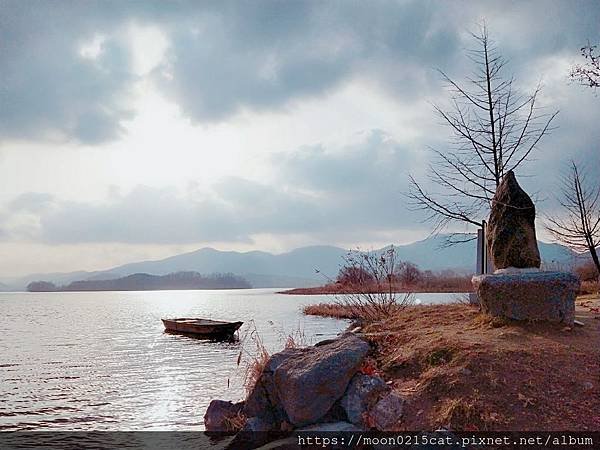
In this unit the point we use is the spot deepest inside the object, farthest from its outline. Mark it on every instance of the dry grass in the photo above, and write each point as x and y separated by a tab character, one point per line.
329	310
297	339
254	368
588	275
463	370
235	423
461	414
353	312
589	287
258	355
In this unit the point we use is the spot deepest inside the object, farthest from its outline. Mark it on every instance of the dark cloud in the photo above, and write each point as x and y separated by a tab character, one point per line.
354	190
230	55
360	186
47	88
244	56
375	162
528	30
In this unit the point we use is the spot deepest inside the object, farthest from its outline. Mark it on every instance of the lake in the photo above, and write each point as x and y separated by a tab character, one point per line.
101	360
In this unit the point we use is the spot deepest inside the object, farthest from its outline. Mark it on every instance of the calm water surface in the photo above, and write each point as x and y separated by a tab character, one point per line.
101	361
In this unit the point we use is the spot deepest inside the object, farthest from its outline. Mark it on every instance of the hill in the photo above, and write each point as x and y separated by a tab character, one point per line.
146	282
296	268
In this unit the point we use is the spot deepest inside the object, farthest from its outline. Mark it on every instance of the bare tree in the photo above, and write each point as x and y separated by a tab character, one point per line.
354	275
579	228
409	274
588	74
495	129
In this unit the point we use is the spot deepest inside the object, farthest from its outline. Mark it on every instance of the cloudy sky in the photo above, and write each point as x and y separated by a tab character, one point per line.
140	129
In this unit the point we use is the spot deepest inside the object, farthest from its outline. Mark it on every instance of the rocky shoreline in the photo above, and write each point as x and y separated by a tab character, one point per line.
328	386
425	368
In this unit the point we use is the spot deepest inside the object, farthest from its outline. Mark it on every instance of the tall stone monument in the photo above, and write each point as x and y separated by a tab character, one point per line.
518	289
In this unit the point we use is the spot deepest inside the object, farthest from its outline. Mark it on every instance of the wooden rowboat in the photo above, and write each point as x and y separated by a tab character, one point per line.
202	327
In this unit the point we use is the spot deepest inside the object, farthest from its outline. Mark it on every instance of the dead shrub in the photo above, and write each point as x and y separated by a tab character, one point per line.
373	295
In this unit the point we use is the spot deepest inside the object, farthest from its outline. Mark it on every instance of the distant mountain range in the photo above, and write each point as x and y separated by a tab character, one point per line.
296	268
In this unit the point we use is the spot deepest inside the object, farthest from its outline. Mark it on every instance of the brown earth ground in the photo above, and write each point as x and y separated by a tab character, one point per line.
461	369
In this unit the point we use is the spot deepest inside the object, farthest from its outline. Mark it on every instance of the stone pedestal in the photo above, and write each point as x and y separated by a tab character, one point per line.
545	296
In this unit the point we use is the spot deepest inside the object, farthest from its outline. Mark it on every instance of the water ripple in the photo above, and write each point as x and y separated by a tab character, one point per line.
101	360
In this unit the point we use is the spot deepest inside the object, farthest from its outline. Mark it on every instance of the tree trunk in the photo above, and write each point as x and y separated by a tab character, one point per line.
596	262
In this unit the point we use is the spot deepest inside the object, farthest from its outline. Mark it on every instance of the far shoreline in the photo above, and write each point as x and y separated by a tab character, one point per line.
335	290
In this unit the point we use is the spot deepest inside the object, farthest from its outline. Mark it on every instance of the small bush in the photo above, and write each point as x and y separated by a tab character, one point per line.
373	296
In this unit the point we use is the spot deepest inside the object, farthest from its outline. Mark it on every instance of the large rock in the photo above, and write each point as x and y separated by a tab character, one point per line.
255	433
218	414
388	411
263	401
362	393
511	236
308	383
547	296
257	425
